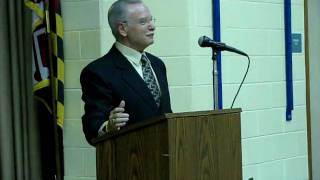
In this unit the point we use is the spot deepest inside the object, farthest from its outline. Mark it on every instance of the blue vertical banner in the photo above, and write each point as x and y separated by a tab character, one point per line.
288	56
217	37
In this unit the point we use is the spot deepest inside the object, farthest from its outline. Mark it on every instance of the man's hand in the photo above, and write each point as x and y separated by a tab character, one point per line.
118	118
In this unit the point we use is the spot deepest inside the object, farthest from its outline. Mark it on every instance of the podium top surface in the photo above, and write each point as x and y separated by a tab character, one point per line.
161	118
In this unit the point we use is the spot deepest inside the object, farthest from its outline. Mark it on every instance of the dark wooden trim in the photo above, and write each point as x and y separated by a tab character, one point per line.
307	71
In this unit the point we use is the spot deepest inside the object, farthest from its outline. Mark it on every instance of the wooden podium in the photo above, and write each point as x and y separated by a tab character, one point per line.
180	146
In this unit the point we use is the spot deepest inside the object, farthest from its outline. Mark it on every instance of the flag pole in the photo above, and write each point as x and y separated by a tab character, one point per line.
53	98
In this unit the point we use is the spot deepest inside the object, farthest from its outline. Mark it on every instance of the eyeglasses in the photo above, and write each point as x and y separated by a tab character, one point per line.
148	20
144	21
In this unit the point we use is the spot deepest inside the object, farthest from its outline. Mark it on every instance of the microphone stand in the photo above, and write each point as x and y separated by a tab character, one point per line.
215	80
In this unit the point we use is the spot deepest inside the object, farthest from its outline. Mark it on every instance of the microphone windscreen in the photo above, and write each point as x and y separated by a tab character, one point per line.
200	40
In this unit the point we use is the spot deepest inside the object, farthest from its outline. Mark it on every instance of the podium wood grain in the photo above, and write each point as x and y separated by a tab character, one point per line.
182	146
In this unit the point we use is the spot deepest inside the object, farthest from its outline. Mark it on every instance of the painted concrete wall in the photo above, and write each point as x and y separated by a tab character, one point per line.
81	45
272	147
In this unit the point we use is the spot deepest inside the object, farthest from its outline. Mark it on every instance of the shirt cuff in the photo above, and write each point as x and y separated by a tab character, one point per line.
103	128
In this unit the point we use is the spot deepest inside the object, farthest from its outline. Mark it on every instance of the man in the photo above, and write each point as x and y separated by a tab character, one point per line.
126	85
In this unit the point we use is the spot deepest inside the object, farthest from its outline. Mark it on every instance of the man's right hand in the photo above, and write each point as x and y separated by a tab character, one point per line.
117	117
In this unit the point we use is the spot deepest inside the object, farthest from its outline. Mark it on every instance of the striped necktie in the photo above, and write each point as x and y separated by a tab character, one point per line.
150	79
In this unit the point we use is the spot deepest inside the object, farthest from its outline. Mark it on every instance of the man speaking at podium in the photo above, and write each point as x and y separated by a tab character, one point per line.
127	84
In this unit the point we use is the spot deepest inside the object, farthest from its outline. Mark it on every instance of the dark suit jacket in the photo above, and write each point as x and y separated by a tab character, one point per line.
110	79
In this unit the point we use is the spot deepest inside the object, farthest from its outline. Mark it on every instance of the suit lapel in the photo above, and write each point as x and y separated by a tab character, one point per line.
132	78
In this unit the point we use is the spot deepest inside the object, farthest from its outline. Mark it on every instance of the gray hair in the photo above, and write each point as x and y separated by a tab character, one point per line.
118	13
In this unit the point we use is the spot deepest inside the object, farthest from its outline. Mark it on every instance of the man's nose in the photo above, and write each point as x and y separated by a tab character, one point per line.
151	26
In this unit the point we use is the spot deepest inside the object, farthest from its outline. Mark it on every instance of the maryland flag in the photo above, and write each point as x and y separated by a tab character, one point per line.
48	80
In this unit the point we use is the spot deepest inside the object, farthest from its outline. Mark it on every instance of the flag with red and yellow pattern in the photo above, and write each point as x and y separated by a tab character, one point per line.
48	82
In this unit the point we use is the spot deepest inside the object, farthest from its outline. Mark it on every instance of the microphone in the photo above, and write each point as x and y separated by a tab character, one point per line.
204	41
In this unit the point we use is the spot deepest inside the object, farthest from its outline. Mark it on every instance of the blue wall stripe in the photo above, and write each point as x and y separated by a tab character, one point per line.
288	54
217	37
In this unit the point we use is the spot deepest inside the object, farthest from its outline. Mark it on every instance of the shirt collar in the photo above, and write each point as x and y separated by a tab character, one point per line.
131	54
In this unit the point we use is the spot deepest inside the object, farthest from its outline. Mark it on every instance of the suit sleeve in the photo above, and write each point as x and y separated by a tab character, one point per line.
167	103
97	96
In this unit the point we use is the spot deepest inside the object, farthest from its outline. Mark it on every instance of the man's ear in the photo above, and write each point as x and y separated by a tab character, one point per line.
122	28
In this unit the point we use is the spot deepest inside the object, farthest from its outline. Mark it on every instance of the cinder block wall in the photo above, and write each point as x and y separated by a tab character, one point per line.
179	25
81	46
272	147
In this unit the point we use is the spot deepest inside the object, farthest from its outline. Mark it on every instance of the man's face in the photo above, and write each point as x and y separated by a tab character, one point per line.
139	27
